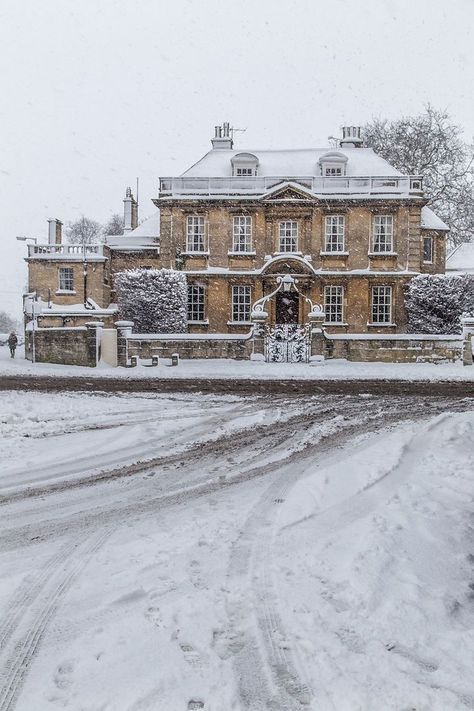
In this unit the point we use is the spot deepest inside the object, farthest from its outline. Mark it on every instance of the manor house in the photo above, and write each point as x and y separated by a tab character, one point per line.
347	226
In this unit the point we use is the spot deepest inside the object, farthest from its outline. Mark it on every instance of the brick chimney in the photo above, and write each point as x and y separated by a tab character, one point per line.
222	137
130	211
55	231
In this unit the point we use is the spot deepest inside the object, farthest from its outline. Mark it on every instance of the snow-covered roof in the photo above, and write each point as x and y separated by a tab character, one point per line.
292	162
431	221
461	259
147	233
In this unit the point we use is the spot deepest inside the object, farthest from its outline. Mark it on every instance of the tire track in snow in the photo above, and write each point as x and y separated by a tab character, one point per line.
273	679
251	557
22	655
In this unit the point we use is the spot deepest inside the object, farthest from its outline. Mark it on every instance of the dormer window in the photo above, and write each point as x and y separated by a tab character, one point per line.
332	170
332	164
244	165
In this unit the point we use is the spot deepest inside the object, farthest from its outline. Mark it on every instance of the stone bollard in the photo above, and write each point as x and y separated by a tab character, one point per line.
318	339
258	335
94	330
133	362
468	335
155	360
175	359
124	330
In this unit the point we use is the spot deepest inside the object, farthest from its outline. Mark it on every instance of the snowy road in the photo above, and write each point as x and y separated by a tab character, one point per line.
184	551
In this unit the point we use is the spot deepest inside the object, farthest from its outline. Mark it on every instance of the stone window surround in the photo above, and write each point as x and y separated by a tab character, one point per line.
241	300
197	304
375	217
430	240
334	303
381	306
65	280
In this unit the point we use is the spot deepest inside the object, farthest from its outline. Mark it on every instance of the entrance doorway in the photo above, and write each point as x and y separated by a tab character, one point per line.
287	307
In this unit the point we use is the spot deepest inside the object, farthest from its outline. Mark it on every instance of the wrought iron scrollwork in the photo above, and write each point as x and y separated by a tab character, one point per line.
287	343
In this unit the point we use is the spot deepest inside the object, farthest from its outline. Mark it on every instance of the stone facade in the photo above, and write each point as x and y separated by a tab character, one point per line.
269	191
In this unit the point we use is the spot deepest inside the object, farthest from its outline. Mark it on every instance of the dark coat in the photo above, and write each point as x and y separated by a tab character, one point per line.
12	340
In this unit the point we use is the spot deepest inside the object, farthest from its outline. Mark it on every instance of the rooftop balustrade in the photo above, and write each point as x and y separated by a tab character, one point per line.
258	185
66	251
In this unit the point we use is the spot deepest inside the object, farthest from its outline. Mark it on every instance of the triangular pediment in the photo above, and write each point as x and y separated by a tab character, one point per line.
288	191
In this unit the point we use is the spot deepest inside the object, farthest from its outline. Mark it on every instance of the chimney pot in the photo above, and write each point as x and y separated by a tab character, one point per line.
223	139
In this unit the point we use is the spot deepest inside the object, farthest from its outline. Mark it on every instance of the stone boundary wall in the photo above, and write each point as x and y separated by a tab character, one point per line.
65	346
399	348
235	347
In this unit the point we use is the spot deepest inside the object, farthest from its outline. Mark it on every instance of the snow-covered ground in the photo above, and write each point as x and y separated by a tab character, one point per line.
161	553
243	369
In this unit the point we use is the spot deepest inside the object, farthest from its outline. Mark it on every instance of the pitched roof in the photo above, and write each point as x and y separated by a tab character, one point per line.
293	162
146	233
431	221
461	259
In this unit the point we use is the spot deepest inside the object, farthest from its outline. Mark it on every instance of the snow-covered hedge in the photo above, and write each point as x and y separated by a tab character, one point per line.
436	302
155	299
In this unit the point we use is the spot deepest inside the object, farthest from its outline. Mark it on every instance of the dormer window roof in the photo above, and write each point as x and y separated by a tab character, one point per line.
332	164
244	164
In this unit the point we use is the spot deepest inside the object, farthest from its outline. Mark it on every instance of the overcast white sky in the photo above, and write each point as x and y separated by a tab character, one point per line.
97	92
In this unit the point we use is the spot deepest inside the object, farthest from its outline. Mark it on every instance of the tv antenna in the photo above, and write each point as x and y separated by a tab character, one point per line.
236	130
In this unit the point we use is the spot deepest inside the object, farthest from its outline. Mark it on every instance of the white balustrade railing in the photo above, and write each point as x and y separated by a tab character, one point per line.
65	250
318	185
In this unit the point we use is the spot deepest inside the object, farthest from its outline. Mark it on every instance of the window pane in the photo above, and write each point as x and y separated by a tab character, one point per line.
195	234
382	304
383	233
66	279
242	241
241	303
333	304
334	233
288	236
427	249
195	303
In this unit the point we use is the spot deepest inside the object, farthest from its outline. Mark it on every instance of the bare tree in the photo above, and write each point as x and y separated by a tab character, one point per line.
7	323
84	231
114	226
429	144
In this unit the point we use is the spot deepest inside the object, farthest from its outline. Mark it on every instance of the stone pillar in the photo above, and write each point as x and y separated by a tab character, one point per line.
124	330
318	340
94	329
258	335
468	334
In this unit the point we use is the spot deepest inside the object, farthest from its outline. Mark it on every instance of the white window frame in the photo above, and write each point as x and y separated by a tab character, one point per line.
242	234
288	236
195	234
334	304
196	306
428	238
381	305
66	281
334	233
332	170
382	234
241	303
244	171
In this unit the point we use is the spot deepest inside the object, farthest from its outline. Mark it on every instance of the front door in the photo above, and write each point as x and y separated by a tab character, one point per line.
287	307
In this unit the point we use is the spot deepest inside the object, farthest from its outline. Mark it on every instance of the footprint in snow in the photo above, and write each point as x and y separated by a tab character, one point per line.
191	655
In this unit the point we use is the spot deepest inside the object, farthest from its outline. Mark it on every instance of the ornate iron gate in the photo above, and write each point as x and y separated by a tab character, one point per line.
287	343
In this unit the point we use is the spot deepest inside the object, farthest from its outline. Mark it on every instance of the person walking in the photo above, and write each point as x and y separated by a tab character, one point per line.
12	342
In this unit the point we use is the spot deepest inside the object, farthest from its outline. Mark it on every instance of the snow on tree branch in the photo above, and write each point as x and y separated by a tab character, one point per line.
431	145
